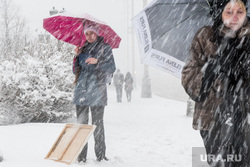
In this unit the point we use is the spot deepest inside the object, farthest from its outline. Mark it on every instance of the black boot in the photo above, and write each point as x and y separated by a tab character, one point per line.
102	158
81	160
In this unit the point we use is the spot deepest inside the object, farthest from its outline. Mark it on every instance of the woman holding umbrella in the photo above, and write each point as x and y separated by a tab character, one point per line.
96	63
217	78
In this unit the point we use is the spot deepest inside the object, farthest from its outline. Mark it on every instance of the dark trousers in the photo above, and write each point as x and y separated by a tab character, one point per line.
128	94
97	113
119	93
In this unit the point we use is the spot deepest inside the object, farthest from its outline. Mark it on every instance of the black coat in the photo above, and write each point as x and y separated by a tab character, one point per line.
128	82
118	79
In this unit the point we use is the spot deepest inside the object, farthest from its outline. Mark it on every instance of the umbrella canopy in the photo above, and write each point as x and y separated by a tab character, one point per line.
69	27
165	31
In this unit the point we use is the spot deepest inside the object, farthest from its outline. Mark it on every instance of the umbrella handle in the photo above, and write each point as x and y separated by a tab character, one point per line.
209	4
81	34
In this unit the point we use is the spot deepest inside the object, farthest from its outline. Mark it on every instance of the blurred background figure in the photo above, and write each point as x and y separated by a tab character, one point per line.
128	85
118	82
1	156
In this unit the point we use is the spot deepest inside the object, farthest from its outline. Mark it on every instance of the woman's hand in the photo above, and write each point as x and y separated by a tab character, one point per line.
77	50
91	60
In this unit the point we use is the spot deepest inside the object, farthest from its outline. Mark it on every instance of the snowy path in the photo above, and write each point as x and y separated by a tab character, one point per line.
144	133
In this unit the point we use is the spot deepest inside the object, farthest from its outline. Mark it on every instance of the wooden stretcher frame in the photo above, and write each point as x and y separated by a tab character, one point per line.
70	143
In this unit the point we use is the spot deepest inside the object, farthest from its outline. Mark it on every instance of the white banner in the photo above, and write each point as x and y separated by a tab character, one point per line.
151	56
164	62
143	33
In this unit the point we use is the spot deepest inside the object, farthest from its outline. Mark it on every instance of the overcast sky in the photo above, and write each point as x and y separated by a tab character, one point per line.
113	12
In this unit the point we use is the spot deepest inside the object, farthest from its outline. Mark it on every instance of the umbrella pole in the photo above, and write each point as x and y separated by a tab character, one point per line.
146	86
83	24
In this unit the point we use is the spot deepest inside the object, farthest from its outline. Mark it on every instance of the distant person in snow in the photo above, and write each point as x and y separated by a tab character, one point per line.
94	65
118	82
1	156
217	78
129	86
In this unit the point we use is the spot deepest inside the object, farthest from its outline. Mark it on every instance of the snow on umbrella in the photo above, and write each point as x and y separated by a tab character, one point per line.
165	31
69	27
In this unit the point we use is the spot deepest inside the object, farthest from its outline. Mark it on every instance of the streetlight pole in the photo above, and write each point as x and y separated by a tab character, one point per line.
128	33
146	86
133	47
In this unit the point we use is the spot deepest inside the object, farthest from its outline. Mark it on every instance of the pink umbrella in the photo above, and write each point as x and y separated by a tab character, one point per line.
68	27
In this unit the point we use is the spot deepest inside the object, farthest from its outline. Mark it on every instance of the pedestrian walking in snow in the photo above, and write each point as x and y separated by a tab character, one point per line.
118	82
217	78
129	86
96	64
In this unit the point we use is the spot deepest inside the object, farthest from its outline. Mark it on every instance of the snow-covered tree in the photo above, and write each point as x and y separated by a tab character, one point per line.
36	80
13	30
37	86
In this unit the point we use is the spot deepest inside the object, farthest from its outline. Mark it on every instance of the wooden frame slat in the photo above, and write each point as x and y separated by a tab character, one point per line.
70	143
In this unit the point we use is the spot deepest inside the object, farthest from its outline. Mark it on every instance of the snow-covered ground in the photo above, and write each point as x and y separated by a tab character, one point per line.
150	132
